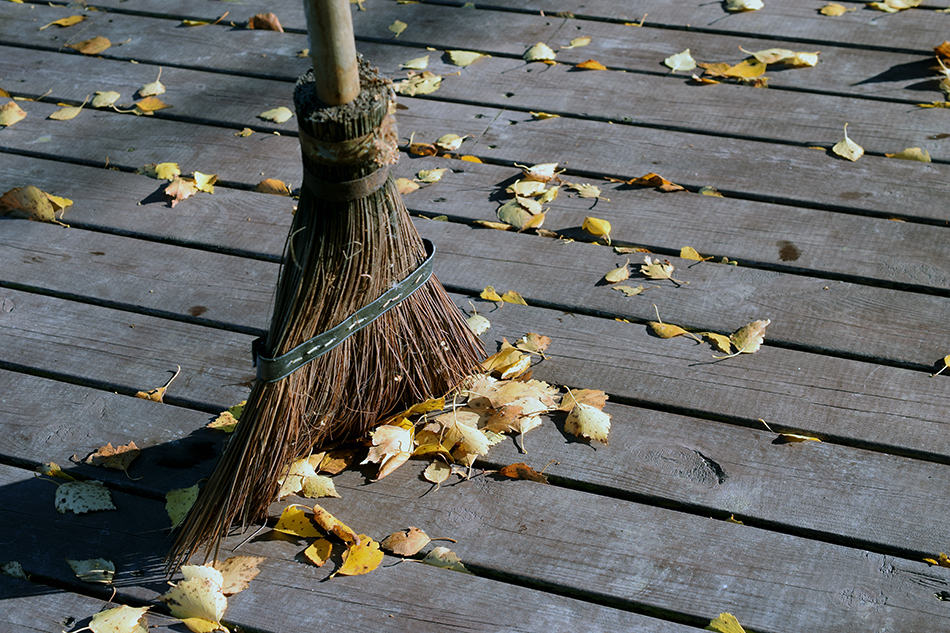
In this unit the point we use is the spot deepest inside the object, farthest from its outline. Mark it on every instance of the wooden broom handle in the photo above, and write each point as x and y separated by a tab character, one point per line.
333	50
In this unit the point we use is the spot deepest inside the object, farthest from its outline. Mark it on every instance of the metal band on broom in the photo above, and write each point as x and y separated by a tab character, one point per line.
360	328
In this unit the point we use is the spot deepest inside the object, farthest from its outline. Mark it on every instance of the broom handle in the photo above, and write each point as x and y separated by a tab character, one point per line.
333	50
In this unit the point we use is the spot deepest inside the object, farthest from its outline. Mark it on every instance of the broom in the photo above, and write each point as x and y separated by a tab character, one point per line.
360	329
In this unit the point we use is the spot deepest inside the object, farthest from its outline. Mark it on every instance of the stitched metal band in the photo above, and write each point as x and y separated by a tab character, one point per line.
274	369
347	190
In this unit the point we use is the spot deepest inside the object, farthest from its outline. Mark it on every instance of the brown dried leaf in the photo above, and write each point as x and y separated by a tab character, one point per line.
265	22
273	186
520	470
158	394
114	457
11	113
573	397
92	46
405	542
179	189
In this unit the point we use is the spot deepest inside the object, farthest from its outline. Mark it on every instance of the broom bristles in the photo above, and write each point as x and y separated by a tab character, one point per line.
336	263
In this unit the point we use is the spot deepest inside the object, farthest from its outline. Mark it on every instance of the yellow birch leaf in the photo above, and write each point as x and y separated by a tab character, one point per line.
80	497
332	525
197	600
789	438
280	114
619	273
478	324
405	185
655	269
591	64
28	202
98	570
893	6
681	61
167	171
318	486
158	394
704	81
122	619
585	190
468	158
540	52
114	457
153	88
720	341
178	502
431	175
597	227
544	115
577	42
437	472
405	542
397	27
942	560
629	291
526	188
64	22
149	105
725	623
542	172
294	521
361	557
416	63
846	148
421	84
588	421
513	297
237	573
593	397
946	363
244	132
204	182
489	294
52	469
228	420
655	180
688	252
746	69
706	190
11	113
319	551
911	153
464	58
743	5
749	338
273	186
92	46
668	330
784	56
449	142
833	9
445	558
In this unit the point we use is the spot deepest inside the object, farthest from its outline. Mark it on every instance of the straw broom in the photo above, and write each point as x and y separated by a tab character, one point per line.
351	253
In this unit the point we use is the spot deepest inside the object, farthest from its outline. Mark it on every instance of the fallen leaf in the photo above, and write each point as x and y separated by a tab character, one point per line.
746	69
629	291
514	214
833	9
405	186
544	115
784	56
431	175
332	525
512	296
437	472
540	52
478	324
790	438
338	460
197	600
591	64
681	61
405	542
360	557
178	502
148	105
416	63
52	469
178	189
244	132
655	180
588	421
585	190
577	42
489	294
542	172
893	6
725	623
705	81
153	88
421	84
11	113
748	338
295	522
121	619
397	27
846	148
743	5
97	570
445	558
942	560
706	190
911	153
392	446
80	497
464	58
533	343
520	470
237	573
280	114
688	252
301	478
32	203
204	182
319	551
64	22
668	330
92	46
273	186
946	363
655	269
592	397
597	227
265	22
158	394
13	569
620	273
161	171
114	457
719	341
228	420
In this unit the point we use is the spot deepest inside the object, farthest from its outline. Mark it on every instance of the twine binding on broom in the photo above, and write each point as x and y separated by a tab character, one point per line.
274	369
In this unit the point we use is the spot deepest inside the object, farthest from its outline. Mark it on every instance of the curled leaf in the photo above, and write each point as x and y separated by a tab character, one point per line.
540	52
588	421
681	61
597	227
846	148
405	542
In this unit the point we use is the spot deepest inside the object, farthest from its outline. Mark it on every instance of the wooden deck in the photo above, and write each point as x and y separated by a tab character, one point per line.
848	260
